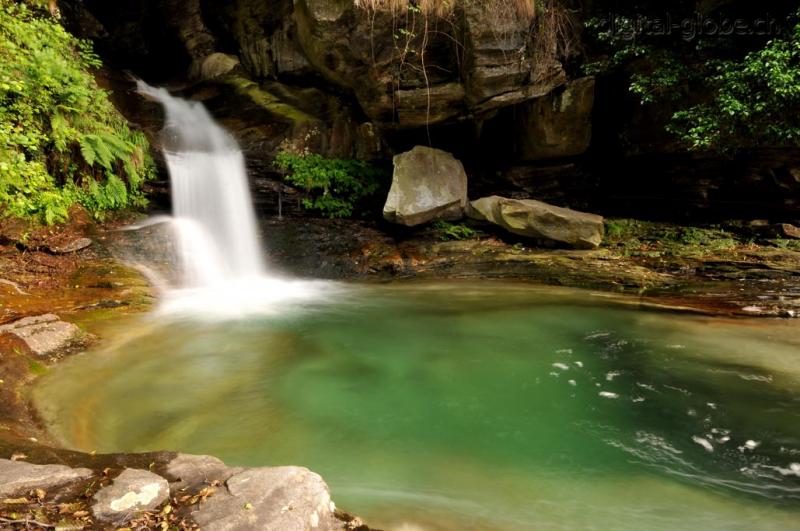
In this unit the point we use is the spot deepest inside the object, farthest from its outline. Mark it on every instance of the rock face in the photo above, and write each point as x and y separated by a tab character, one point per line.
217	65
45	334
17	477
131	492
559	124
427	184
535	219
360	51
272	499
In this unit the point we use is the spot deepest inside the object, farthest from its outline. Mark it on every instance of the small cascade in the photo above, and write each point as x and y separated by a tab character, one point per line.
214	220
221	269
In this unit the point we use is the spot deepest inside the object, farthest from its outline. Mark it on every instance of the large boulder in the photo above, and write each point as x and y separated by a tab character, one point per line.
535	219
427	184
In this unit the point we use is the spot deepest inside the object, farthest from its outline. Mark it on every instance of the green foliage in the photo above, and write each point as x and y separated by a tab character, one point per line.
449	231
719	96
755	101
334	187
62	142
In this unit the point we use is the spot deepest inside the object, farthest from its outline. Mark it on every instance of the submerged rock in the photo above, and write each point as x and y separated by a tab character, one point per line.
17	477
131	492
45	334
528	217
427	184
280	499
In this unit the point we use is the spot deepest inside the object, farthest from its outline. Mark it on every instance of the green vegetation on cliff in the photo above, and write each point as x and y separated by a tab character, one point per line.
723	91
333	187
62	142
755	100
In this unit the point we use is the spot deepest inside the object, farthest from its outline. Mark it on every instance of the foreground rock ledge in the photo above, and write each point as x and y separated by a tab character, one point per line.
18	478
45	334
534	219
220	497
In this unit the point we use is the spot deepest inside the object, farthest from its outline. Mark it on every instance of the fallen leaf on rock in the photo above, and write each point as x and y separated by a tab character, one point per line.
64	508
17	457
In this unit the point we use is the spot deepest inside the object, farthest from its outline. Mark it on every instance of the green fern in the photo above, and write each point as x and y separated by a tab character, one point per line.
50	109
87	151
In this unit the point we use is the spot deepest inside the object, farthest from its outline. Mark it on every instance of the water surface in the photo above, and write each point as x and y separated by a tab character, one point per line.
463	406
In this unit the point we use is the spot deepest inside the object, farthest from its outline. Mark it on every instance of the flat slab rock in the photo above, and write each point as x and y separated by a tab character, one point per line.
131	492
535	219
270	499
44	334
17	477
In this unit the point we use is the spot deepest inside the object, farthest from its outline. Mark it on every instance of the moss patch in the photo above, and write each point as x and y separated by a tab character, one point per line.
631	237
269	101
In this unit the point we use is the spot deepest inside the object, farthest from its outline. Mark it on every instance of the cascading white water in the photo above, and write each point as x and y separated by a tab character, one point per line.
214	219
222	272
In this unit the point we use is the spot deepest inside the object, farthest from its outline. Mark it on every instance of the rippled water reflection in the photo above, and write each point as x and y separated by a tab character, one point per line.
459	406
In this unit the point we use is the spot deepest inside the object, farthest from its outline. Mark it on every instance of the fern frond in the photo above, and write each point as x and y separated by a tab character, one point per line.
87	150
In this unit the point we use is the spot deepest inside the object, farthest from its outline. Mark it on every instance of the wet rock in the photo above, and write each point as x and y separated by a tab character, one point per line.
45	334
427	184
18	477
195	470
535	219
131	492
70	247
279	499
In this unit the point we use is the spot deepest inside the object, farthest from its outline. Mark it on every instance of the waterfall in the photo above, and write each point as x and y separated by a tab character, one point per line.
214	220
220	260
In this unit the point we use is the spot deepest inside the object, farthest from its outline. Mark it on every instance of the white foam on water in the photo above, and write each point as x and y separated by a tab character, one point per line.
707	446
